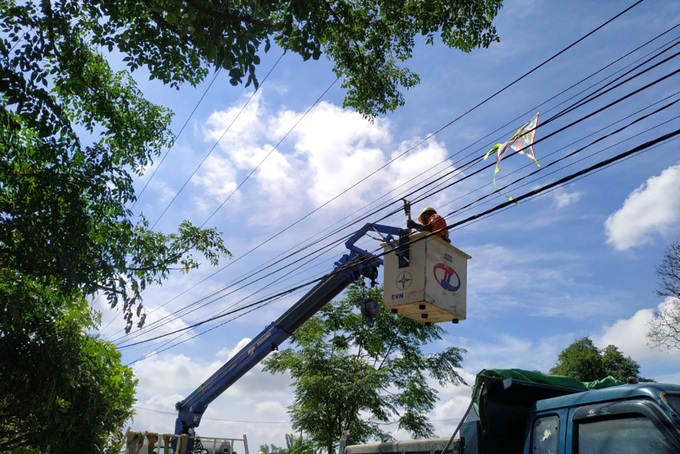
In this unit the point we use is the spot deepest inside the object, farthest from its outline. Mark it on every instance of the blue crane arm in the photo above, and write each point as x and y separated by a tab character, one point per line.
347	270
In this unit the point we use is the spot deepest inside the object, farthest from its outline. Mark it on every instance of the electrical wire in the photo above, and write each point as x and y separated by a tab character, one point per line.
186	182
528	195
176	136
595	141
620	129
544	123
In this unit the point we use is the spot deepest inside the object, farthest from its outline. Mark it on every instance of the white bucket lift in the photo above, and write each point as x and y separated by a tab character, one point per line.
432	287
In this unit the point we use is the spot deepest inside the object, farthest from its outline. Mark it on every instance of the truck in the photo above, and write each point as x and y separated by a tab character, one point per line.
514	411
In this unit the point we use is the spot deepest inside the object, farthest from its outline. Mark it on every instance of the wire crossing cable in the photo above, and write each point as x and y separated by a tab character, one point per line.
174	139
553	134
441	128
216	143
530	194
620	129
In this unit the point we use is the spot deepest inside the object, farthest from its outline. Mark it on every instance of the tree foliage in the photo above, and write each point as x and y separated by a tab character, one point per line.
294	445
272	449
584	361
353	375
72	135
664	328
366	41
64	198
61	390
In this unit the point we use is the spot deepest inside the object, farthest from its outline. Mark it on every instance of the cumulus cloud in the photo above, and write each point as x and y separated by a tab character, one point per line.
238	124
652	209
157	384
217	178
628	335
450	410
296	162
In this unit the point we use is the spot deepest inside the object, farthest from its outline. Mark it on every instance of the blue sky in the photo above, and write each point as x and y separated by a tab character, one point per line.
285	167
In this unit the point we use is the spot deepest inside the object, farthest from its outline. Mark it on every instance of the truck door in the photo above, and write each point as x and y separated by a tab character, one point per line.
545	434
623	427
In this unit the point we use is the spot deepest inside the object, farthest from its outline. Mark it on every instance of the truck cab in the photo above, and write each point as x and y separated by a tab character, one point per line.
522	412
626	419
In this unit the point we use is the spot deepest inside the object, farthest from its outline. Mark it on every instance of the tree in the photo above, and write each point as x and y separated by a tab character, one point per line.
664	328
294	445
618	366
272	449
61	391
365	40
580	360
585	362
353	375
72	134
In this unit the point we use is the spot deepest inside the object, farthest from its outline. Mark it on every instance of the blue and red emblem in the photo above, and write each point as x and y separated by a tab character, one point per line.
443	273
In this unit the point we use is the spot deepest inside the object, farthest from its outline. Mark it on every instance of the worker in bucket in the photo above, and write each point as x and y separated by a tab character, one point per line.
430	221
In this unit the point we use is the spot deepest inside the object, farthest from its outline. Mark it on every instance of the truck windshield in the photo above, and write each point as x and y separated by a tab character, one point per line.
631	435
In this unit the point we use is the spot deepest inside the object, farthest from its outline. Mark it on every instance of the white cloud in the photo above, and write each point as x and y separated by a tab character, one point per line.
451	407
216	179
339	148
563	197
302	160
255	405
629	336
242	123
652	209
169	382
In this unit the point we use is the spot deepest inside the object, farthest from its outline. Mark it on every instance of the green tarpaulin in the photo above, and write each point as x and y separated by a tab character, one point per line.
493	375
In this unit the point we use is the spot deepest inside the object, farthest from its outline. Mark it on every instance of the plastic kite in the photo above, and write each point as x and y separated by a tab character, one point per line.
522	142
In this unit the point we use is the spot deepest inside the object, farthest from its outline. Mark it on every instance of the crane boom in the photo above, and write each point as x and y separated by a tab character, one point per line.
347	270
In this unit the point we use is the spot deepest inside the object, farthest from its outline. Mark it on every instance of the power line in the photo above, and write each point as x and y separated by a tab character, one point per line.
601	138
205	418
174	139
620	129
428	194
530	194
216	143
576	122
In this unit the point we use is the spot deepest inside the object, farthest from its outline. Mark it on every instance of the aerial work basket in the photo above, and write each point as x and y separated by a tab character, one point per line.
431	285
